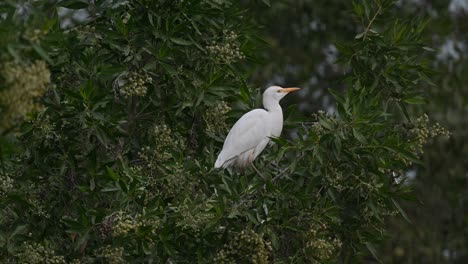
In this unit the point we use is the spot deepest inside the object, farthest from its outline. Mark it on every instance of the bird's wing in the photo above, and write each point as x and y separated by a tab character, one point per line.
246	134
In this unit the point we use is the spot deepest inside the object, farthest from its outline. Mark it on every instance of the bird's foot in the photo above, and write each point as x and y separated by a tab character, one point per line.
253	166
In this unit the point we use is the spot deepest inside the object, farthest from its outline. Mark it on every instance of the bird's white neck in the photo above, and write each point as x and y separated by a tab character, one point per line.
275	115
271	105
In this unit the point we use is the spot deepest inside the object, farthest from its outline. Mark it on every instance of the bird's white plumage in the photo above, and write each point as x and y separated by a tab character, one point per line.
252	132
243	139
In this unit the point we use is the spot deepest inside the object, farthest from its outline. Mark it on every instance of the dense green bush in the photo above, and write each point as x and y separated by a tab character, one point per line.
302	36
439	229
114	162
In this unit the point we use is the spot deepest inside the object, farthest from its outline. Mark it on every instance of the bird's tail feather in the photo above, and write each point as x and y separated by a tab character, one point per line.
220	160
219	163
223	162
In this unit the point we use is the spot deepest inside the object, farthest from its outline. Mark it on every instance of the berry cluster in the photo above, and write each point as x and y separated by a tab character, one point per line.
24	83
35	253
6	184
114	255
246	247
226	51
320	246
136	84
123	224
215	118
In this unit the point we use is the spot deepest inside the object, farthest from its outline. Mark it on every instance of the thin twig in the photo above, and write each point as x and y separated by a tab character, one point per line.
372	21
283	171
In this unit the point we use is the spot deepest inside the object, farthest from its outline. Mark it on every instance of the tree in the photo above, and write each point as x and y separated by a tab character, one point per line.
118	165
438	230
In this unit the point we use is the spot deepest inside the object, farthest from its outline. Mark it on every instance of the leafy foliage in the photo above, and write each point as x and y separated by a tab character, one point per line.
118	166
438	231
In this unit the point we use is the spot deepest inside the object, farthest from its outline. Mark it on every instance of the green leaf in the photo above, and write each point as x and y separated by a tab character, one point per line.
402	212
416	100
267	2
234	212
112	175
18	230
359	136
169	68
325	122
42	53
226	185
92	184
12	51
360	35
86	89
73	4
357	9
111	189
373	251
406	154
274	239
82	240
337	142
181	41
252	218
123	186
245	93
102	136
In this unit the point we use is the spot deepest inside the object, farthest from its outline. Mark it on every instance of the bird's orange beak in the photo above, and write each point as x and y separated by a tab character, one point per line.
290	89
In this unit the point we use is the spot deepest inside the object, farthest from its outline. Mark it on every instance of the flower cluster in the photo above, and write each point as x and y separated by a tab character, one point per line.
126	18
35	253
225	3
319	114
194	215
228	50
316	126
24	83
367	184
215	118
147	188
230	35
164	140
320	246
162	136
45	129
8	218
342	178
172	182
114	255
246	247
35	199
34	35
370	214
225	53
89	34
422	132
123	223
149	156
336	179
136	84
6	184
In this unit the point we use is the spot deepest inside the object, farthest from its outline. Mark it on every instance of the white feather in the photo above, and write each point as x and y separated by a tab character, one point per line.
252	132
243	139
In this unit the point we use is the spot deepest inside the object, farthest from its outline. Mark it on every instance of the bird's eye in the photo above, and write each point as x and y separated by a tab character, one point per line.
278	91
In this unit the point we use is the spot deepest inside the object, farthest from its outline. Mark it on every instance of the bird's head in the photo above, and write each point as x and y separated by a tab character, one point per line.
277	93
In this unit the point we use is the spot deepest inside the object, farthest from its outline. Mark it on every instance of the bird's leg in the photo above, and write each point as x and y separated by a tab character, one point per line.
253	166
241	167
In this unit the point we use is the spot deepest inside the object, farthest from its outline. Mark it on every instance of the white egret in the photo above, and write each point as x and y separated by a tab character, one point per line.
252	132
